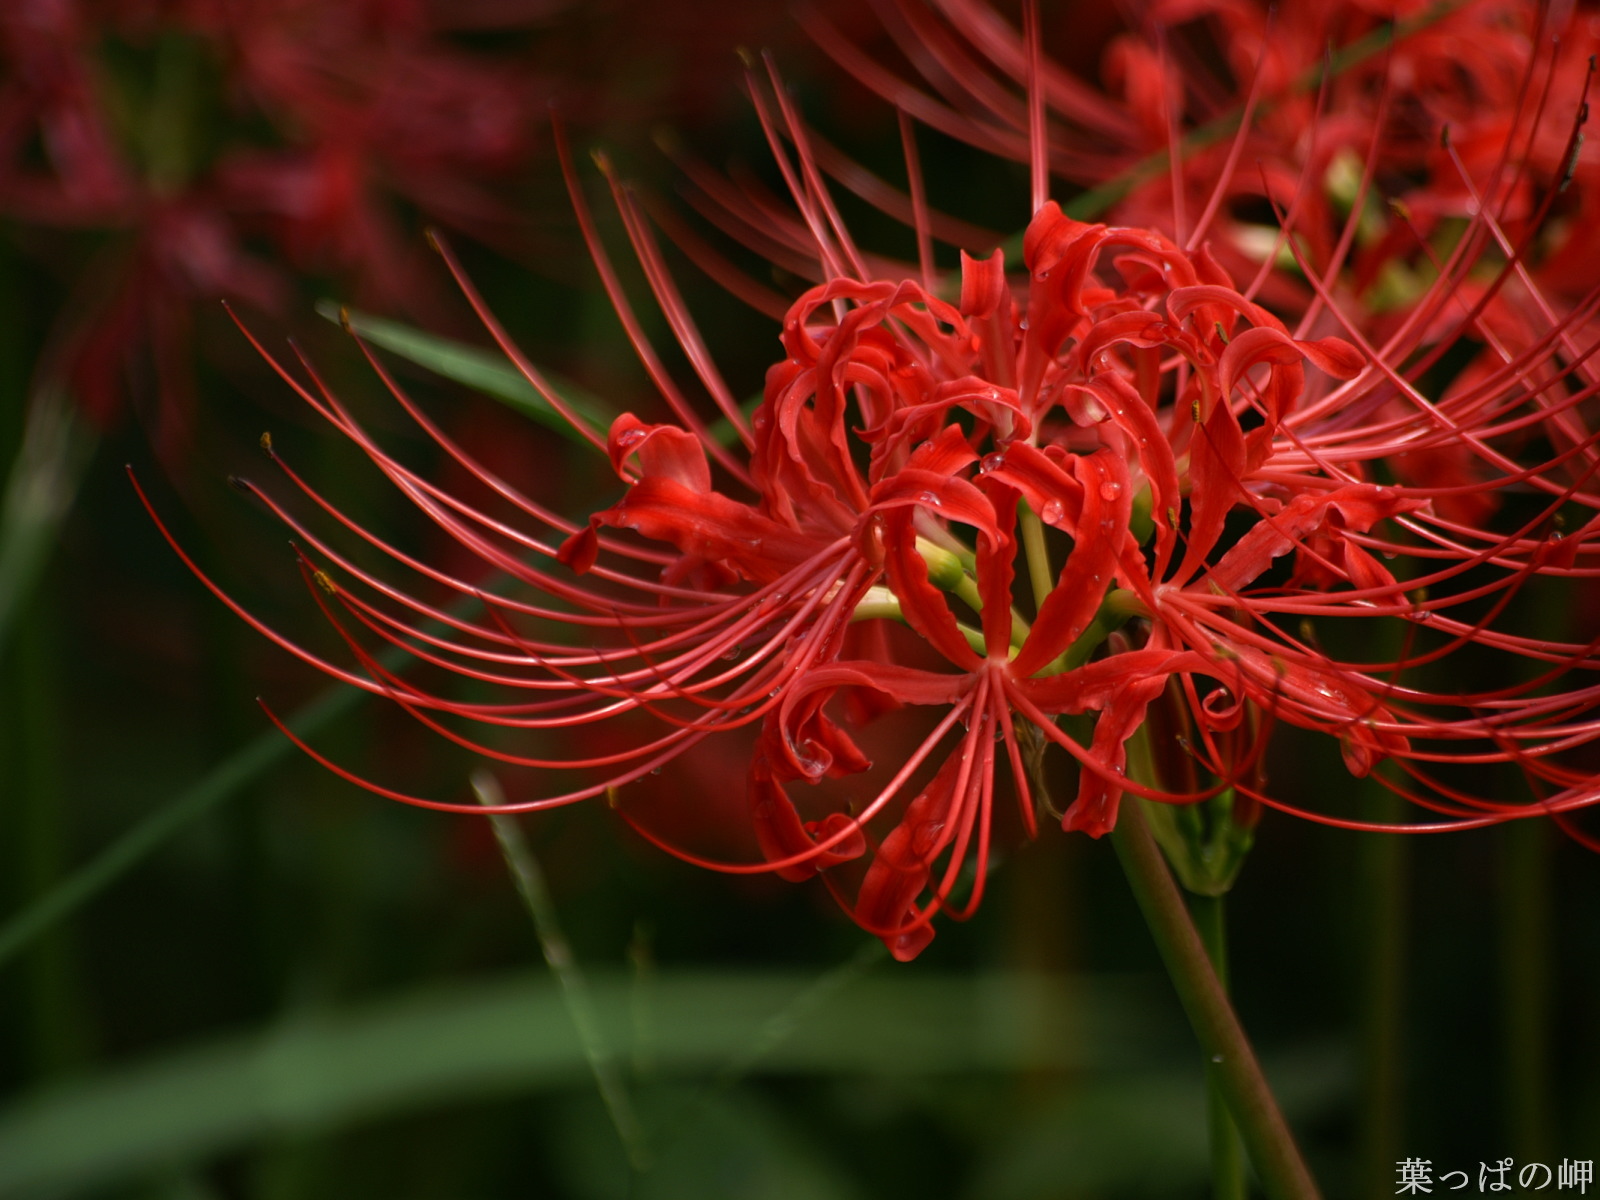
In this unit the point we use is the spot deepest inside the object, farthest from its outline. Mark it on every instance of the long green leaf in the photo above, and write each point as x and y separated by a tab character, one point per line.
488	372
471	1041
485	371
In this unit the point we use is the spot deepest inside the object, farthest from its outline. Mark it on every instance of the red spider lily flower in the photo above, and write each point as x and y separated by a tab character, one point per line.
368	105
1122	436
1401	117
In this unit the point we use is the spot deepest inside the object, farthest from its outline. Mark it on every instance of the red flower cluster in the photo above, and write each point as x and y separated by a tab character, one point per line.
189	130
1112	480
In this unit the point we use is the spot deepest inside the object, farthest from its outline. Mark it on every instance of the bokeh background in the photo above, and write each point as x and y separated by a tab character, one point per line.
224	973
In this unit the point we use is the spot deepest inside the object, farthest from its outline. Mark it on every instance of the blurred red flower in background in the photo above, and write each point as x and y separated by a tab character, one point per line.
1306	479
192	131
211	149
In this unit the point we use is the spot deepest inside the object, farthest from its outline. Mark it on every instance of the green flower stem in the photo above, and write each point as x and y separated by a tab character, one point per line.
1227	1163
1525	986
1115	610
881	604
948	573
1383	866
1261	1124
1037	554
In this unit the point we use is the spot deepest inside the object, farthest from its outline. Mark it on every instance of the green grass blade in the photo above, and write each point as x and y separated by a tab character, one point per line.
529	877
117	859
224	781
485	371
470	1041
40	488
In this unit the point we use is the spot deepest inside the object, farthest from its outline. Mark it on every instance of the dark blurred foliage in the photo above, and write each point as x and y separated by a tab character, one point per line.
156	157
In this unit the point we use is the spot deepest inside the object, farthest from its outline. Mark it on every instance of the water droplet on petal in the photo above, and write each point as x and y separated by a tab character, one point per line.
1110	490
731	653
630	437
993	462
810	758
926	837
1052	511
930	499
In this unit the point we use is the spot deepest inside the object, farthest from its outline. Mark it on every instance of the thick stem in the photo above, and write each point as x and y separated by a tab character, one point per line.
1038	555
1383	876
58	1026
1525	986
1266	1134
1227	1163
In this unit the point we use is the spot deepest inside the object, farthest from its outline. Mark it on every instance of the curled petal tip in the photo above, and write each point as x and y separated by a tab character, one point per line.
1096	819
906	946
983	283
580	550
